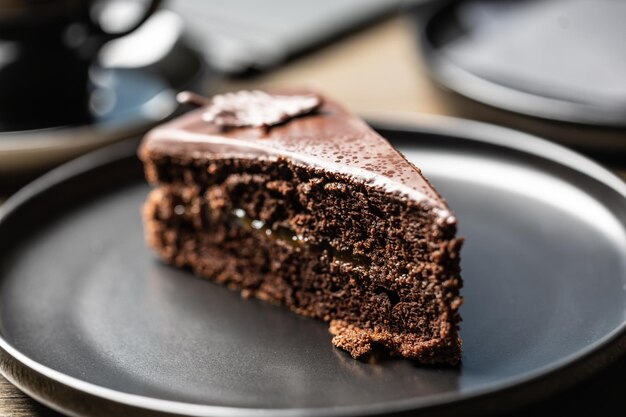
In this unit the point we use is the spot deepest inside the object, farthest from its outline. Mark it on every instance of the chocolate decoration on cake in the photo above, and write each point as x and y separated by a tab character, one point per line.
253	108
318	214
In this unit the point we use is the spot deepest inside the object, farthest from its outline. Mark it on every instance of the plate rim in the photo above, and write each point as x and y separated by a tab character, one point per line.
576	365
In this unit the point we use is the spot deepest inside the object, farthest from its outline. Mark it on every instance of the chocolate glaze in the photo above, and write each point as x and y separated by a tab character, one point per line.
329	138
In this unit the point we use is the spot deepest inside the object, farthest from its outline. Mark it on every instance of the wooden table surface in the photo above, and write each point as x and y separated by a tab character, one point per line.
377	73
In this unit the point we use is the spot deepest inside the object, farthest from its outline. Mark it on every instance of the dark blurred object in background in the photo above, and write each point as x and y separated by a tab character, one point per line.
555	68
46	49
76	75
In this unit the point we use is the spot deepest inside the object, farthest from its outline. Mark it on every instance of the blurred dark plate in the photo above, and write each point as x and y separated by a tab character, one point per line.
134	87
554	66
93	324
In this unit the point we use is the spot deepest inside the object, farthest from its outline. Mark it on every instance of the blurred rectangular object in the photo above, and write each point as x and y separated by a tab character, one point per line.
240	35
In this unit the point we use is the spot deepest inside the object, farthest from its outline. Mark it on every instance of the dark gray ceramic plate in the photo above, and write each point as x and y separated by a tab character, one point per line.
92	324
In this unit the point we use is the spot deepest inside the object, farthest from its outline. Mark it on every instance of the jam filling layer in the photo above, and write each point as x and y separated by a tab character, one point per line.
286	235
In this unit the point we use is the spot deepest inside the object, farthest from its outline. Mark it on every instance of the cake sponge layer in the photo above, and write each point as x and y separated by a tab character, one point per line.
381	268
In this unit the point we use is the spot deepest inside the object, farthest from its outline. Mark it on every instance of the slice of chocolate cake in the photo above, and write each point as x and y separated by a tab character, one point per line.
290	199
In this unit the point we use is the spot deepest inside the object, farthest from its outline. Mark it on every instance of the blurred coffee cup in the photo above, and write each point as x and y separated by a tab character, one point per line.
46	49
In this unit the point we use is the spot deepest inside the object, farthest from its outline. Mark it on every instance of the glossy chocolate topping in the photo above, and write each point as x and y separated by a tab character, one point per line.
328	137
